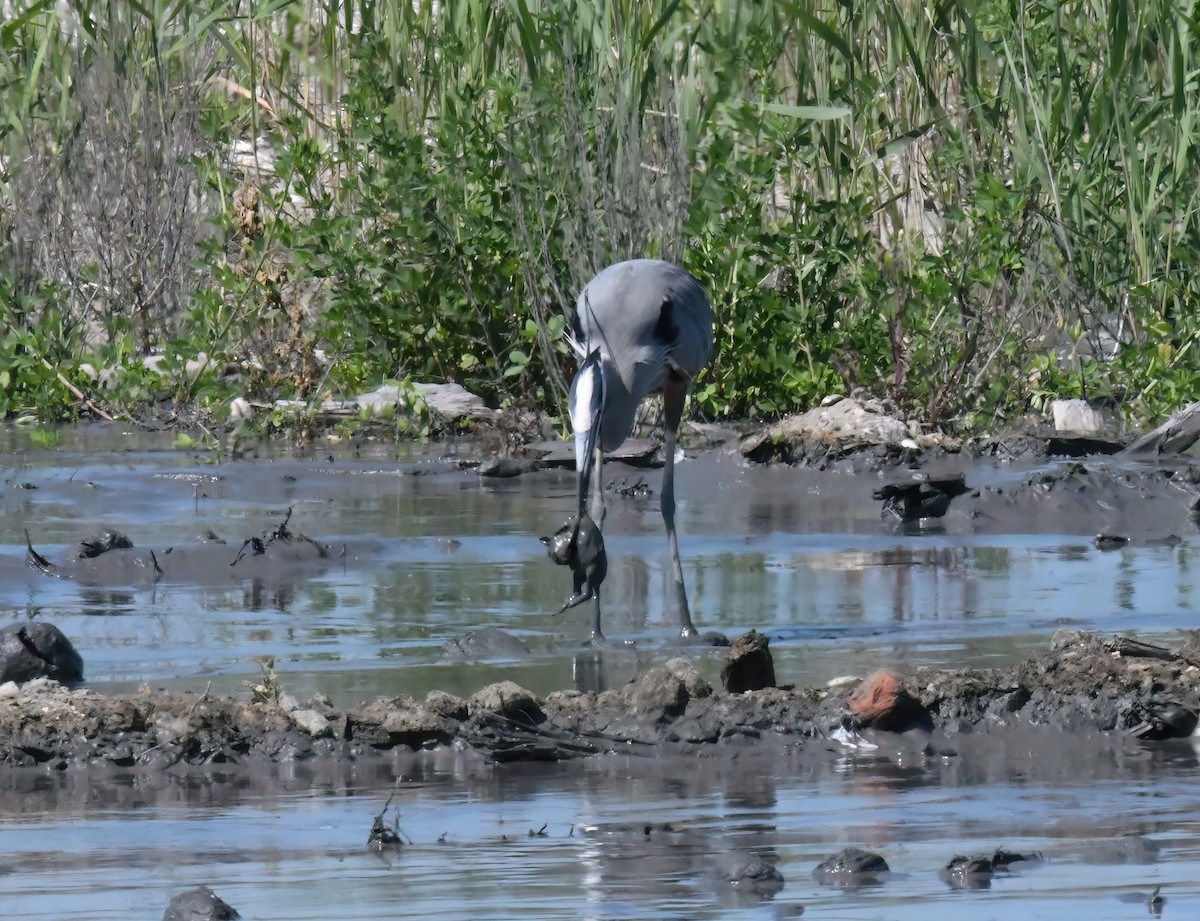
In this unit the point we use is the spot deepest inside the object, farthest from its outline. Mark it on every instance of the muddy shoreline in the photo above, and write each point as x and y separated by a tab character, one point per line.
435	579
1082	685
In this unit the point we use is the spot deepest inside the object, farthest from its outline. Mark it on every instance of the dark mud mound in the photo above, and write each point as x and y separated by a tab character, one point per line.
38	650
111	558
1145	501
1082	684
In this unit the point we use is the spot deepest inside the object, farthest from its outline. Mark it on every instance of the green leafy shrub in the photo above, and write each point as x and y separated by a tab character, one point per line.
971	208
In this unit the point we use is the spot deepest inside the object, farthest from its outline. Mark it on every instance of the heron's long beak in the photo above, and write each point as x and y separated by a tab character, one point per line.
587	406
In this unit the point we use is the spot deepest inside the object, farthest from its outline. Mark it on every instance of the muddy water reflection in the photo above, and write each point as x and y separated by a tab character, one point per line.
431	552
616	837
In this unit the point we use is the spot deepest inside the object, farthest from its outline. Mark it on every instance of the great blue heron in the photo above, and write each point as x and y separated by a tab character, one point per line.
641	327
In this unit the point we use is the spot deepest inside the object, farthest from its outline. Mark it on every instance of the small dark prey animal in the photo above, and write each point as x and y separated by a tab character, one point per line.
580	545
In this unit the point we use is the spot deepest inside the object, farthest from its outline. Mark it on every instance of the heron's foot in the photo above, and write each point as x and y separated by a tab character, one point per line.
690	636
575	600
600	641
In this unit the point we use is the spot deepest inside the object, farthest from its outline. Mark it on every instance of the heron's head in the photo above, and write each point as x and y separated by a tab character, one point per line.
587	407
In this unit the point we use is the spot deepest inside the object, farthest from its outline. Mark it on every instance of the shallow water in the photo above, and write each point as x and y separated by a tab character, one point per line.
432	551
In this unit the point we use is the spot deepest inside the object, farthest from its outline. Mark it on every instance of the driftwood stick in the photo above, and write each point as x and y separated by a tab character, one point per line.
1174	436
76	392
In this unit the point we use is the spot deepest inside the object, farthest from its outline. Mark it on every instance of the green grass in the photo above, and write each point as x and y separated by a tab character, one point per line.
971	207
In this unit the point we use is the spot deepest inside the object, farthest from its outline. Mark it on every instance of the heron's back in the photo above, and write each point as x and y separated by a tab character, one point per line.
645	316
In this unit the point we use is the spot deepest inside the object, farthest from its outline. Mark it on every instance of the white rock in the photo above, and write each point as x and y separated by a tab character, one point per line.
154	363
194	367
449	401
1076	416
240	409
311	722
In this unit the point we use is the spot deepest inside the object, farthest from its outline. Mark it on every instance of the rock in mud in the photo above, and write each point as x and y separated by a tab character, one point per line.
748	870
312	722
881	702
199	904
1078	416
484	643
858	433
507	467
851	868
447	705
743	879
384	724
968	872
508	699
686	671
38	650
658	693
976	871
749	666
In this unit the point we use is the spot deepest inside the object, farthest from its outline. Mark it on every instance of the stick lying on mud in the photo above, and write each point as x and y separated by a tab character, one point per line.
1134	648
1174	436
34	559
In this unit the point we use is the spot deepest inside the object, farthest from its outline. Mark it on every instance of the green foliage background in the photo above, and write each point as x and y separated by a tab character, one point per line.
971	206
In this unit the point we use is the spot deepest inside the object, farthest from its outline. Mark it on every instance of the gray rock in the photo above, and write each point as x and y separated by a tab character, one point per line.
384	724
38	650
685	670
447	705
749	666
968	872
199	904
744	880
750	870
509	699
312	722
507	467
448	401
850	868
658	690
484	643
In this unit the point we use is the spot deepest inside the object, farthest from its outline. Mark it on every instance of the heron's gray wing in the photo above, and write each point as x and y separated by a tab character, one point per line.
646	316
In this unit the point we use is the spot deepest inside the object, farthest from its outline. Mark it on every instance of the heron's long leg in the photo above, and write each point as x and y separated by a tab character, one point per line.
598	510
674	395
597	634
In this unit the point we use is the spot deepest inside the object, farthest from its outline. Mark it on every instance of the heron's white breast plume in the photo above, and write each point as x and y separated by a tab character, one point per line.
586	405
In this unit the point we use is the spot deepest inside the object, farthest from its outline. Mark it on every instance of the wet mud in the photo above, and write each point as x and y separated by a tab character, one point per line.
1082	685
1084	704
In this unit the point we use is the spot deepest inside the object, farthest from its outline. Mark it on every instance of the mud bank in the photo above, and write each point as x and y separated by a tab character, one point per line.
1083	684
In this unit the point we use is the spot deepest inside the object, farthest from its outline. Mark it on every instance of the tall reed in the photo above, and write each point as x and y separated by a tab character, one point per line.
971	205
